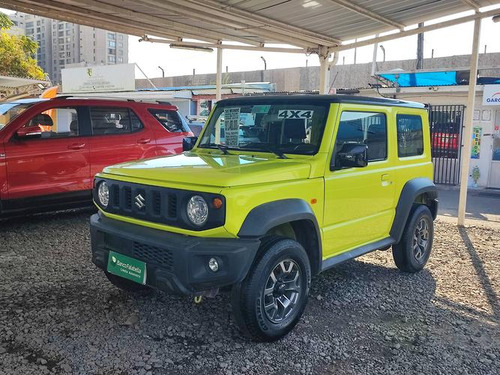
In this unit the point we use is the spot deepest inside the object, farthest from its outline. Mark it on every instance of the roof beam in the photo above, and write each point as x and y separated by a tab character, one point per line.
151	23
368	13
49	13
278	37
119	7
472	4
227	46
418	30
233	13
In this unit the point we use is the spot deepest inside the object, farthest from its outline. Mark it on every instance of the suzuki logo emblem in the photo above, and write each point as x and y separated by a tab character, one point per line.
140	201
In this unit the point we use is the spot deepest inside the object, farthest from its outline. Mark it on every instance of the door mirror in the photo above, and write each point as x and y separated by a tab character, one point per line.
351	155
188	143
29	131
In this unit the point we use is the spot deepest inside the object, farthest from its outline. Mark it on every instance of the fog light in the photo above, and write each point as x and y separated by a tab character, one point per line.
213	264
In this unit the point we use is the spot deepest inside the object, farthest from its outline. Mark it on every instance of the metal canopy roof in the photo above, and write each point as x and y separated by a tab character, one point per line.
306	24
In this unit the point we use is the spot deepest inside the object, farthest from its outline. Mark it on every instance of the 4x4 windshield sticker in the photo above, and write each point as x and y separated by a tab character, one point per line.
231	126
295	114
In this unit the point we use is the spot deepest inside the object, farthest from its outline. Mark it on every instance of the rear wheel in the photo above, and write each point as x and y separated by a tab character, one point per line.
413	251
271	299
128	286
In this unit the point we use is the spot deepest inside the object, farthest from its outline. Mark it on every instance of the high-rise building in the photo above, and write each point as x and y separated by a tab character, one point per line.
63	43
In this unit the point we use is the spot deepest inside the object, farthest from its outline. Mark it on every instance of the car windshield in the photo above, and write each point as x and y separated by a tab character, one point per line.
269	126
9	111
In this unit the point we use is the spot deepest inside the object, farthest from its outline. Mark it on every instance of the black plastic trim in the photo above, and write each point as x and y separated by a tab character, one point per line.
354	253
315	99
269	215
187	270
46	203
410	192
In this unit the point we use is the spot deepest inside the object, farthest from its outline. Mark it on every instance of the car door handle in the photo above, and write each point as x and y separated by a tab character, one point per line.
386	179
76	146
143	141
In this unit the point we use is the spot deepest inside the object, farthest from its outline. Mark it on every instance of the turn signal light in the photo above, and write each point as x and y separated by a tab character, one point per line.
217	203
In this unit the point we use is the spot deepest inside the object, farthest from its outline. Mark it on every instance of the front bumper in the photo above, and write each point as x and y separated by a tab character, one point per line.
175	263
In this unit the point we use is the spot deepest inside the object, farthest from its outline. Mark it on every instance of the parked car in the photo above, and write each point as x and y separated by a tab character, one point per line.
321	180
50	149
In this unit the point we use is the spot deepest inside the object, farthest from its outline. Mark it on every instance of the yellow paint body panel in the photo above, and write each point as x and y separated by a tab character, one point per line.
353	207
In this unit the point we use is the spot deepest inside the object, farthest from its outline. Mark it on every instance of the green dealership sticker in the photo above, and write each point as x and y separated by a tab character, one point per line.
127	267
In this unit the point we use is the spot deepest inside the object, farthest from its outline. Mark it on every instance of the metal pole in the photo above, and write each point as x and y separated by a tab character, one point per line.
374	60
324	72
218	77
469	115
420	49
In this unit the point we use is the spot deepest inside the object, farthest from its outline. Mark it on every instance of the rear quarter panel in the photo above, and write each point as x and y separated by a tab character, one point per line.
412	167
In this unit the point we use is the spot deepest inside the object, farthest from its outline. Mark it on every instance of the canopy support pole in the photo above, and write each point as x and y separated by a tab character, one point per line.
469	116
324	70
218	77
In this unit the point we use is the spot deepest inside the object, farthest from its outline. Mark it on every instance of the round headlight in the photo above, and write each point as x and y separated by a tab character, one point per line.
197	210
103	194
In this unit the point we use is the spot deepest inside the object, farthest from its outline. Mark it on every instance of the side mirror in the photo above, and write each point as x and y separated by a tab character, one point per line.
29	131
188	143
351	155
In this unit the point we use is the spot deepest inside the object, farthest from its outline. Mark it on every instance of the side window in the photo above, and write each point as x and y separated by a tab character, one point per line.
369	128
58	122
410	135
169	119
113	120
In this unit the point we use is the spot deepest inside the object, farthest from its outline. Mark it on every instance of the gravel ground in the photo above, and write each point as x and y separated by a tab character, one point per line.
59	314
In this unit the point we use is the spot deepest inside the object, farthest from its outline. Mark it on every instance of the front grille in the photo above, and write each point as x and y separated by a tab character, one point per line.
158	204
153	254
151	203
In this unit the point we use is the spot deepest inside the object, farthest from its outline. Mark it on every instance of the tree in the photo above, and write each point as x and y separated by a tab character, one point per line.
16	53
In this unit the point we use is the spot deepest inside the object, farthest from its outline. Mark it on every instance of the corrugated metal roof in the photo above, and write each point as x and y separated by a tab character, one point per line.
302	23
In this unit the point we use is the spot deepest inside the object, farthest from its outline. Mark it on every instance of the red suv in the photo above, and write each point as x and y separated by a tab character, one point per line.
50	149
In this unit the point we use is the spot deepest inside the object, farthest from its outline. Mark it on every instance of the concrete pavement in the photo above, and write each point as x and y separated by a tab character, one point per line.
482	204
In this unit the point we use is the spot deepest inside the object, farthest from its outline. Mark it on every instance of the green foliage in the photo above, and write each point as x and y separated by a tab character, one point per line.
16	53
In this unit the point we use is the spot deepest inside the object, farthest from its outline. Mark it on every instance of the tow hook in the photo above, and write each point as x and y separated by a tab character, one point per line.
211	293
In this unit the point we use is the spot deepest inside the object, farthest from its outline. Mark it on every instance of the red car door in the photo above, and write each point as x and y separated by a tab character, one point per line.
118	136
48	154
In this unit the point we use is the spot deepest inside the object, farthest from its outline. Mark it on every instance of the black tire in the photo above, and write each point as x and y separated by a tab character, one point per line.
412	253
128	286
287	261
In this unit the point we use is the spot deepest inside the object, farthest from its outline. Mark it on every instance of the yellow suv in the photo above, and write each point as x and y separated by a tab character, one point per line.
274	191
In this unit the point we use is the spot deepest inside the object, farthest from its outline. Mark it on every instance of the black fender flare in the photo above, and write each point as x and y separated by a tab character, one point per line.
412	189
269	215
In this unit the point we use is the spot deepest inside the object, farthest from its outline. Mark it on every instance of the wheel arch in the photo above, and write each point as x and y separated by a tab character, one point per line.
262	219
416	191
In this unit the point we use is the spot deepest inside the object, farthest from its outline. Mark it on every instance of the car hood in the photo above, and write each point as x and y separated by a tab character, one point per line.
214	170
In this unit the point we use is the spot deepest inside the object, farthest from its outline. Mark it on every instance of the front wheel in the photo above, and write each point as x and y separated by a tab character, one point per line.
413	251
271	299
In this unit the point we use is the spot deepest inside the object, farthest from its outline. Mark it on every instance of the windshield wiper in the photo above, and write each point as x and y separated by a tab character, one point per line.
265	147
223	148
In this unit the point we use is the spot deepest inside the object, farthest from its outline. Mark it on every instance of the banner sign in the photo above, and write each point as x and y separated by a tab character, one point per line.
491	95
100	78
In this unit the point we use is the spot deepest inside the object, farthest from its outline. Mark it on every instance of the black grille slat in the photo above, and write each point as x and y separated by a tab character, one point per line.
156	203
153	254
172	205
127	197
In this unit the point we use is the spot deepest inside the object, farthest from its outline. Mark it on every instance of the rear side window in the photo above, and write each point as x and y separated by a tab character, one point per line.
410	135
369	128
114	120
169	119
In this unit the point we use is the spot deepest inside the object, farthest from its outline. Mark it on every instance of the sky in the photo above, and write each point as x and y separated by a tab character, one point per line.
455	40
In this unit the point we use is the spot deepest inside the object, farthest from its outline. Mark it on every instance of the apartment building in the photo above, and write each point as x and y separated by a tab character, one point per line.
63	43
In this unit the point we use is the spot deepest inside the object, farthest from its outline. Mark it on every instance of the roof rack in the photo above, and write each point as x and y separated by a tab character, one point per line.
118	99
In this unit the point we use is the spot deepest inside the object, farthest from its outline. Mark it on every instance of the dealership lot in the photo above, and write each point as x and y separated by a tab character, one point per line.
59	314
